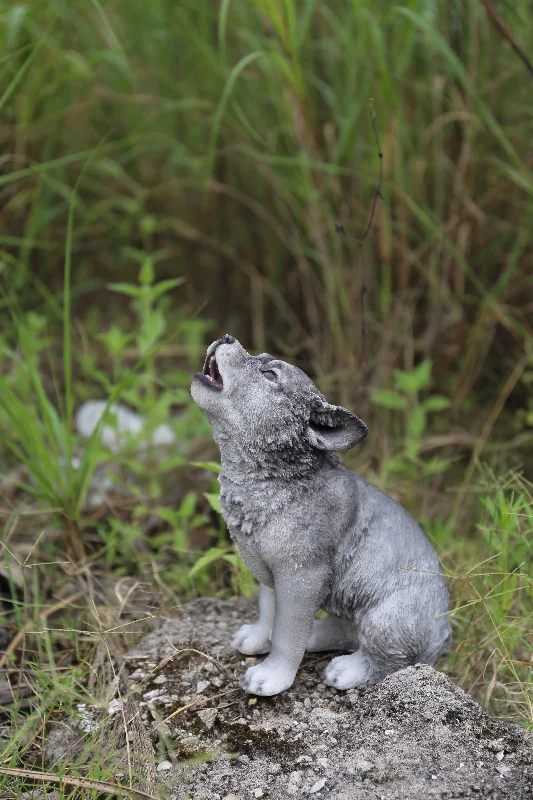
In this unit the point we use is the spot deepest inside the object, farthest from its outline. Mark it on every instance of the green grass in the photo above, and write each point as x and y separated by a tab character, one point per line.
171	171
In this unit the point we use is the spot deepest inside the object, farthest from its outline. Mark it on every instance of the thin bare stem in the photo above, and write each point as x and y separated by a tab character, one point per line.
360	244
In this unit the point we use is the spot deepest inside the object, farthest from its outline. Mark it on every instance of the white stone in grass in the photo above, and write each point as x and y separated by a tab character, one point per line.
164	766
126	425
114	706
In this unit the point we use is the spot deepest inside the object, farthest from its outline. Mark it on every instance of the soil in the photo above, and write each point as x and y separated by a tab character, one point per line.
414	736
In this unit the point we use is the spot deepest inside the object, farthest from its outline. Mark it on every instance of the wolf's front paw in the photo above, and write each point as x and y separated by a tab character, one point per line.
266	679
252	640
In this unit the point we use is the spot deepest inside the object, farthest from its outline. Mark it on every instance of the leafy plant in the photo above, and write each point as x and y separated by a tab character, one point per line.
412	403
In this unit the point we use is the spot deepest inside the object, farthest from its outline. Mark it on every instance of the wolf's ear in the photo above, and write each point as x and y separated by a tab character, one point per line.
334	428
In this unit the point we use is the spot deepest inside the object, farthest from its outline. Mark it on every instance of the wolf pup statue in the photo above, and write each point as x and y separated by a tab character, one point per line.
313	533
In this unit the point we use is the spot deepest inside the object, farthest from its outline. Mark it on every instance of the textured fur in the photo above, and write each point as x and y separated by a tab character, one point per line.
315	534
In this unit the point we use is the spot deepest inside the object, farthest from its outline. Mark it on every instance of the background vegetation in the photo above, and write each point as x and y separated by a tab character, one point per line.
172	171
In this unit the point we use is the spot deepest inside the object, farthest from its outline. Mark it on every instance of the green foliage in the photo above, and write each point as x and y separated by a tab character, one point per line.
494	594
406	403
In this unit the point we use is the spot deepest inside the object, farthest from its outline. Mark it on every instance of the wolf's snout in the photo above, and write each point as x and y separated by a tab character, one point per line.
211	374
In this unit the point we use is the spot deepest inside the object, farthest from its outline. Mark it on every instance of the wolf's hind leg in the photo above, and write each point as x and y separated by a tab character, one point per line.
332	633
357	669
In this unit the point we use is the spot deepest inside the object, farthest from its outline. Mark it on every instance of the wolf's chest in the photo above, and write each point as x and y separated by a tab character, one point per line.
242	512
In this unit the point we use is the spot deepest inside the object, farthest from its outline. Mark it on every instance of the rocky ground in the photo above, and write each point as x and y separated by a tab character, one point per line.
413	736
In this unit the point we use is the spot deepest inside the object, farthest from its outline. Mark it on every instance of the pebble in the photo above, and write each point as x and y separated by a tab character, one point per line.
202	686
316	787
364	766
259	793
151	695
500	755
207	717
503	769
114	706
190	746
164	766
160	679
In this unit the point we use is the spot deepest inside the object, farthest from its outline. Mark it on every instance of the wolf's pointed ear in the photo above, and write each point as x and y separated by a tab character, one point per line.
334	428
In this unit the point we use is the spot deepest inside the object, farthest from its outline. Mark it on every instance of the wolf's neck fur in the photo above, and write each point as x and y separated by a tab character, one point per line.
247	462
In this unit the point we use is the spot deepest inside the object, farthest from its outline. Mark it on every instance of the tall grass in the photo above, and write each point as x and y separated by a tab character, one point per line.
238	135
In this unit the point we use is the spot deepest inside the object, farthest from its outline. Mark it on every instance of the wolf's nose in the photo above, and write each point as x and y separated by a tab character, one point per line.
227	339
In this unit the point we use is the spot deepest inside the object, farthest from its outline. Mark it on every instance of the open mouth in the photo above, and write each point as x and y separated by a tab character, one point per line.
211	374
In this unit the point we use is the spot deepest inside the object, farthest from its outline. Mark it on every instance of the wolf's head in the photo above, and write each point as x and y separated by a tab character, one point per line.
269	411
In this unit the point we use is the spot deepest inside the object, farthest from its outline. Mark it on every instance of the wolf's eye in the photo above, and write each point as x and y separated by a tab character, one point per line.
269	375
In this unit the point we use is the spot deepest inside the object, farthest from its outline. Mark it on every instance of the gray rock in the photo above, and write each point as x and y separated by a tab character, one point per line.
207	717
443	745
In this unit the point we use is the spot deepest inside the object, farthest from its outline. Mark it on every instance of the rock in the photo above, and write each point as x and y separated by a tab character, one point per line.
316	787
439	745
164	766
125	425
190	746
114	706
207	717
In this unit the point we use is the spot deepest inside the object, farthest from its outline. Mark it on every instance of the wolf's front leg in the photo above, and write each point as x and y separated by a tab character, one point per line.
297	597
252	640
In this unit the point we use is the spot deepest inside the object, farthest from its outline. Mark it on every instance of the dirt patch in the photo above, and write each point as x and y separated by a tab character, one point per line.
412	737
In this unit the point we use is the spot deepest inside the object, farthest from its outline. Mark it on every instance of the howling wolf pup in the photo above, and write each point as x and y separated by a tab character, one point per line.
313	533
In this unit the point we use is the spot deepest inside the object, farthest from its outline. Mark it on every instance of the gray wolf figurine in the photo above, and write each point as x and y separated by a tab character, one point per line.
314	534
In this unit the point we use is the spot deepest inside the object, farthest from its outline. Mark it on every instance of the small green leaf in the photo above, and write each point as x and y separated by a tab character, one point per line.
413	382
411	450
208	558
437	402
165	286
147	274
388	399
168	514
126	288
187	505
416	422
213	501
437	465
212	466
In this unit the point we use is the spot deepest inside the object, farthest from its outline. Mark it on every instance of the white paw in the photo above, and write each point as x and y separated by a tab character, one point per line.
252	640
265	679
346	672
